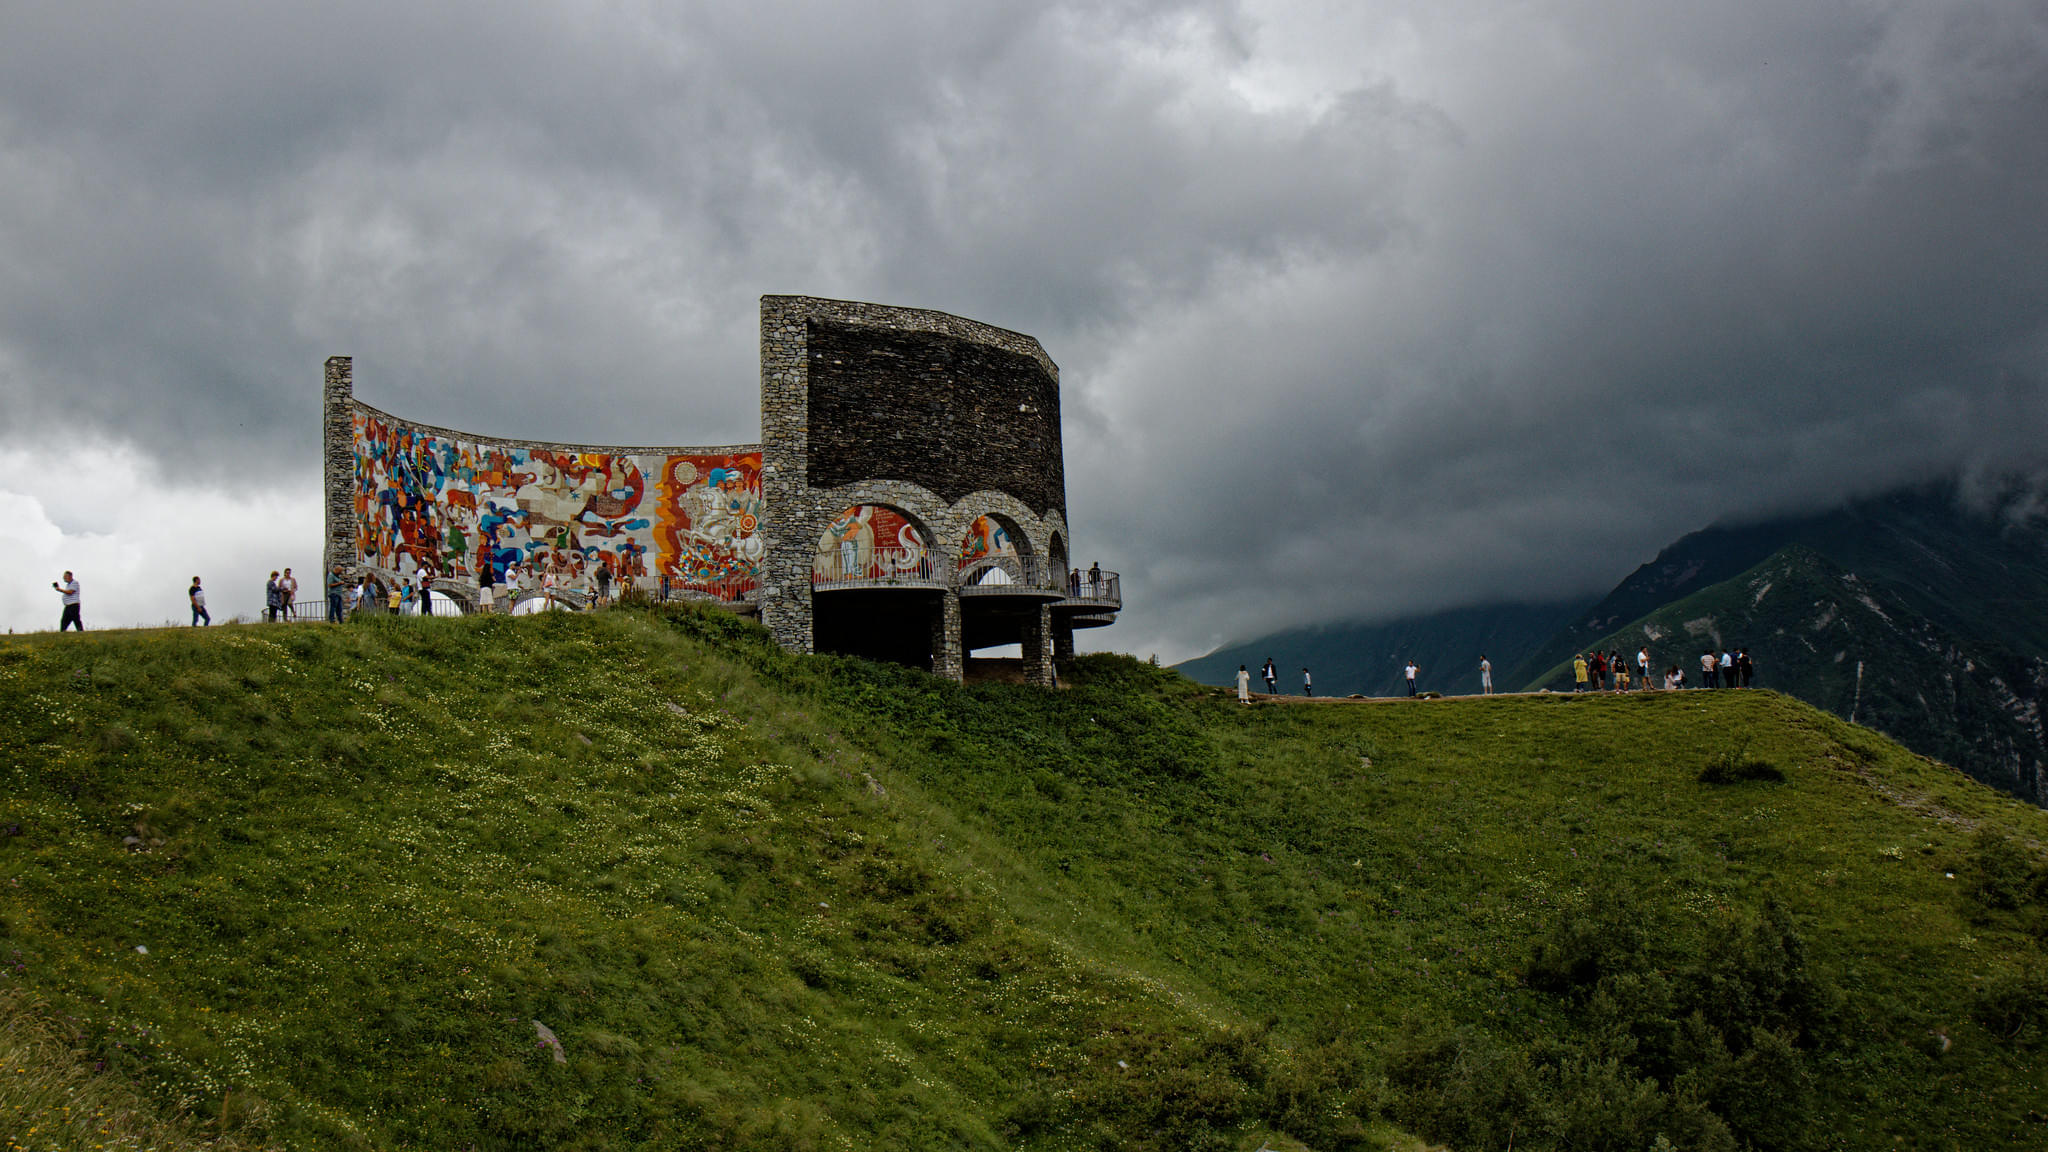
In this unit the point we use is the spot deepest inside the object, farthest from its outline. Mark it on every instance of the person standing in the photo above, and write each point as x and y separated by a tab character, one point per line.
1244	685
426	594
337	595
1308	686
1728	669
1643	666
1272	675
67	591
288	595
1095	579
1485	675
1412	670
1579	672
270	599
1709	669
1745	669
604	582
197	596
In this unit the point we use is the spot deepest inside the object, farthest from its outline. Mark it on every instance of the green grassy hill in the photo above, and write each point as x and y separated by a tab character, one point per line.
1858	648
312	887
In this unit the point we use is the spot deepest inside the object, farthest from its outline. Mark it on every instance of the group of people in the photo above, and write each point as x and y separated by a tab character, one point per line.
1271	675
1091	580
1609	671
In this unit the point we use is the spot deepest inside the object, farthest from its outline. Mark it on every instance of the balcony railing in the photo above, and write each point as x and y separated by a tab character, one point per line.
1009	576
1092	587
884	568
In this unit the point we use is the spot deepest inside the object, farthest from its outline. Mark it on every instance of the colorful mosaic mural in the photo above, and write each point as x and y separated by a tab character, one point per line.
870	542
453	507
986	540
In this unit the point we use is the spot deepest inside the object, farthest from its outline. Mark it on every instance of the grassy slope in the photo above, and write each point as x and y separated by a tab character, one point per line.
1809	624
781	902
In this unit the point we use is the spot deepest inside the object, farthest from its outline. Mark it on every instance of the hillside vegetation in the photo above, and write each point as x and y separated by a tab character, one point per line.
637	879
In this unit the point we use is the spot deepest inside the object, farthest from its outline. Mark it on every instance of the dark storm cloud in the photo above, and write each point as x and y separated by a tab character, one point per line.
1358	312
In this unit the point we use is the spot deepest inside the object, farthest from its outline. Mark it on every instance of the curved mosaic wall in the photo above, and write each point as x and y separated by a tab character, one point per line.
452	505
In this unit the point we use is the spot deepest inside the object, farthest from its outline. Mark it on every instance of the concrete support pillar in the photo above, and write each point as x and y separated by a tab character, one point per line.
1063	639
948	659
338	469
1036	641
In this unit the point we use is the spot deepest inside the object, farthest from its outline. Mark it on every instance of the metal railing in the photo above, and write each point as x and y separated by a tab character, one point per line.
1094	586
884	567
1009	575
731	590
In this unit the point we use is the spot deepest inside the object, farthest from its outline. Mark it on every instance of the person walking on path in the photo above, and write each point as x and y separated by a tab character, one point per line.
1244	685
1579	672
197	596
1412	670
1308	687
68	592
1272	675
288	595
1485	675
337	595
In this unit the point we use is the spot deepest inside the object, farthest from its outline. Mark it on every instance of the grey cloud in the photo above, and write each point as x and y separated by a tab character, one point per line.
1473	302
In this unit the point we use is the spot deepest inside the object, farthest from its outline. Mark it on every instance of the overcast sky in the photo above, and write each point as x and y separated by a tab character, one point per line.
1361	308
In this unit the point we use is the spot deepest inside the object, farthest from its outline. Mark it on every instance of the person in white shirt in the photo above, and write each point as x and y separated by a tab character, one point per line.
1707	669
1485	675
1308	687
1244	685
68	590
1412	670
1643	665
197	596
1727	669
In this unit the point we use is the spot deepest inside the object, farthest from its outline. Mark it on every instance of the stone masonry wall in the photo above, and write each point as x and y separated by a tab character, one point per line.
795	432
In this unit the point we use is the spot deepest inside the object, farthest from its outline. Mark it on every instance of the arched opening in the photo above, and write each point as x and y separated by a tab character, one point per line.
872	542
875	592
993	553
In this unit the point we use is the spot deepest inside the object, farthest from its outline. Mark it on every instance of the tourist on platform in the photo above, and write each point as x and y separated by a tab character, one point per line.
67	591
1485	675
197	596
1710	670
1580	671
270	597
1411	670
337	595
288	594
1074	583
1095	579
1244	685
